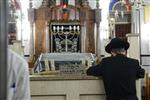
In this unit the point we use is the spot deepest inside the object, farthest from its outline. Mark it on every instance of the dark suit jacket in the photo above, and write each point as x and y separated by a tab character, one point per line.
119	74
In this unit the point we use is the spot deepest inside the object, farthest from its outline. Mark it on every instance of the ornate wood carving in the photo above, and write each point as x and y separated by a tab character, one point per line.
49	11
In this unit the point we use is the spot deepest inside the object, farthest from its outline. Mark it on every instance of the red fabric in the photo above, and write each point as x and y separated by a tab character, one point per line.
128	4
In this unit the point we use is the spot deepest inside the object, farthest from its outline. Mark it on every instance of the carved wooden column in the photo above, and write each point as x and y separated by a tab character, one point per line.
31	18
97	20
40	29
87	20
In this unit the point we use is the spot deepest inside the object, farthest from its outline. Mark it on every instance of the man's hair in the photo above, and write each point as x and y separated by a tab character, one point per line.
118	50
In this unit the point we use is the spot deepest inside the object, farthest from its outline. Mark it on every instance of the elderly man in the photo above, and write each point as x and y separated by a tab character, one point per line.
119	72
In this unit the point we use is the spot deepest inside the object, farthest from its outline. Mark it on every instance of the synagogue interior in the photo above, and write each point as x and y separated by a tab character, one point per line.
60	39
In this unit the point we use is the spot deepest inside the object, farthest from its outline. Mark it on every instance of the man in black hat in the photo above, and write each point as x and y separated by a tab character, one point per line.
119	73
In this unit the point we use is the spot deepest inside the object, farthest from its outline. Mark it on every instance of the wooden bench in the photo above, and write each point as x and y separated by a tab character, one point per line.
147	89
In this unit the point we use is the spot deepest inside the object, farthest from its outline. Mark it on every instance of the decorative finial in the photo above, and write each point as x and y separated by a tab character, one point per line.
30	3
97	4
44	3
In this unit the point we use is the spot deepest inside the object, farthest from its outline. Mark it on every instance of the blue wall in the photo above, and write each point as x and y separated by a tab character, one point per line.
112	2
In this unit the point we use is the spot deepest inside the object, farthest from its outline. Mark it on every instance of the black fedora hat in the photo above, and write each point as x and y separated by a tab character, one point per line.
116	43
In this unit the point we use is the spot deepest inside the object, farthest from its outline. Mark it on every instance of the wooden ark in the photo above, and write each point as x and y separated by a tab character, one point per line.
66	15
